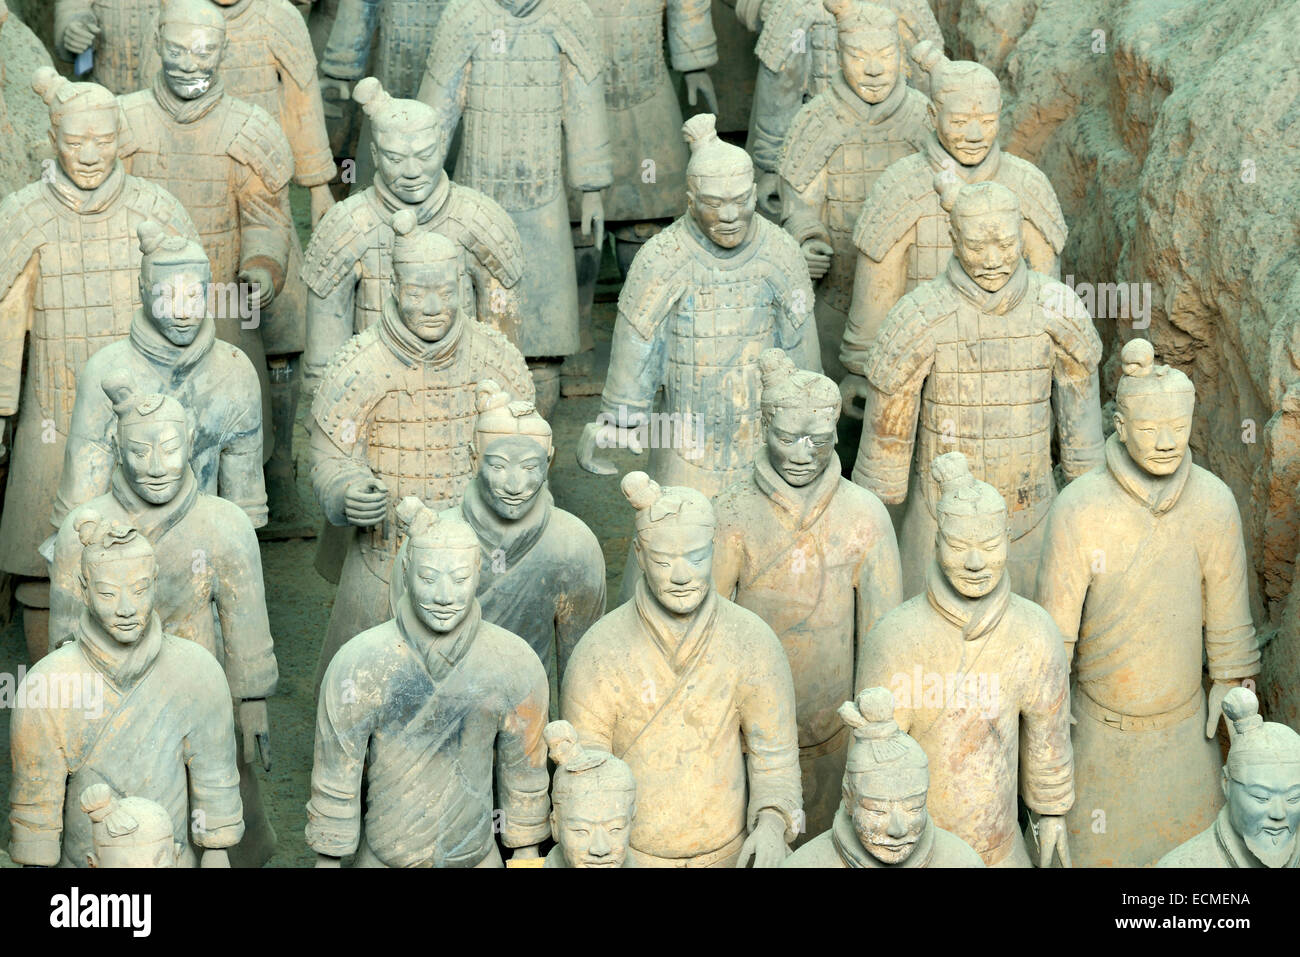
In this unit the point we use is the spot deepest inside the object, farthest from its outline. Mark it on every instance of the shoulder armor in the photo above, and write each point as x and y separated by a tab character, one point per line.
785	24
893	357
458	33
493	351
258	142
789	271
915	112
893	205
22	217
151	201
287	36
578	34
337	398
340	239
489	233
1068	322
1038	201
650	287
138	126
815	134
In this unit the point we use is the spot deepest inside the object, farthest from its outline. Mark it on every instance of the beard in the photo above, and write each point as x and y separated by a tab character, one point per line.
1270	853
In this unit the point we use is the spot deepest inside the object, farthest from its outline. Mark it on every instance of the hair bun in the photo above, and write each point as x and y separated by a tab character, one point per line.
408	510
700	130
87	526
562	742
774	365
489	395
641	490
47	82
98	801
928	55
1138	357
367	92
876	704
1241	707
951	471
838	8
151	236
118	386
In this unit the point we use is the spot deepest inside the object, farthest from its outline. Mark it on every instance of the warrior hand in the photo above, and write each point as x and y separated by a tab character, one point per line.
215	857
365	503
262	286
333	90
81	34
1052	837
593	216
1218	691
324	860
766	843
608	436
769	194
853	387
321	201
256	731
697	82
817	255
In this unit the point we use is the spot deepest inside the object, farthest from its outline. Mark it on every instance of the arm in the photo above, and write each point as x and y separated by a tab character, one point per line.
728	553
584	607
880	578
39	785
69	13
216	811
1039	252
877	287
239	470
331	321
345	719
692	44
778	94
332	471
1230	643
91	452
586	133
240	597
265	227
884	459
303	116
66	601
16	307
1064	574
636	368
767	721
1076	395
496	304
522	780
1046	758
580	701
347	52
797	331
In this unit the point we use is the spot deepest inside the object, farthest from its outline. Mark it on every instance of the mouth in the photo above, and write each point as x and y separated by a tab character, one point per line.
602	862
682	592
442	614
513	499
128	627
729	229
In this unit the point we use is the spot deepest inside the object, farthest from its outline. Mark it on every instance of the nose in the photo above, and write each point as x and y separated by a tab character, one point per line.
897	826
125	604
729	212
680	572
155	462
992	256
433	304
802	453
516	481
599	843
1165	440
410	167
873	67
1277	808
187	61
88	154
973	133
442	592
974	560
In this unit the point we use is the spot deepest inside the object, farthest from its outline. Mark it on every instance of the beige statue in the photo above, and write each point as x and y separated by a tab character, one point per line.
1261	787
815	557
593	803
394	416
426	709
115	34
694	693
142	709
128	831
78	221
866	118
903	235
980	680
1145	571
883	820
1029	385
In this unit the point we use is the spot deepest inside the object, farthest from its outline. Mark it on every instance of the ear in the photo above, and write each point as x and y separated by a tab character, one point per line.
54	140
374	153
933	112
1223	783
91	860
1119	425
550	456
555	827
85	587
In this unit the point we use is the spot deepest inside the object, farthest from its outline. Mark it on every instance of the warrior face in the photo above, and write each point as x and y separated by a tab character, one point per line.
86	144
989	245
722	206
511	474
178	301
967	123
120	593
442	582
888	811
800	443
428	298
872	64
163	852
153	453
972	551
1156	428
1264	808
593	826
191	56
409	162
677	561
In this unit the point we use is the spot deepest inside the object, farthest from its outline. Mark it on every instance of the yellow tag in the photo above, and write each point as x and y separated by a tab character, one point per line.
526	862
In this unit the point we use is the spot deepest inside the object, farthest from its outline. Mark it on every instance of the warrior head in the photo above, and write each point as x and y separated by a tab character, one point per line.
174	277
800	411
128	831
987	238
154	432
84	121
965	103
972	542
441	564
720	194
409	142
1153	410
512	446
886	778
1261	780
871	52
593	801
426	278
118	575
191	43
674	541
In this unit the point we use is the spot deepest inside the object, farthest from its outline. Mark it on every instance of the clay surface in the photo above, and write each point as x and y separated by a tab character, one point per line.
24	117
593	803
128	831
118	32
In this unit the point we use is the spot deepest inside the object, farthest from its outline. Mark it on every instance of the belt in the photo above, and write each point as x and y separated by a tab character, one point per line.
707	859
1145	722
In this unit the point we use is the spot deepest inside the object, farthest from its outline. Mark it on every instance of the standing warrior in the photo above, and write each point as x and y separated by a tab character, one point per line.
814	556
883	820
980	681
903	235
171	349
703	299
406	33
394	416
349	262
593	803
695	694
991	355
864	120
1145	571
128	831
425	708
526	78
117	32
1258	825
155	721
800	56
69	276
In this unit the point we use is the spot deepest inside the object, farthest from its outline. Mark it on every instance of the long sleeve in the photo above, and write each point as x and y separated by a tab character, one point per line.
692	44
583	606
767	721
240	594
239	471
496	304
347	52
303	117
797	330
637	367
345	719
1076	394
39	784
803	211
1046	757
587	156
332	471
880	580
66	602
445	85
728	552
331	322
216	811
522	780
1064	574
580	700
89	458
778	94
265	225
888	437
1230	643
16	307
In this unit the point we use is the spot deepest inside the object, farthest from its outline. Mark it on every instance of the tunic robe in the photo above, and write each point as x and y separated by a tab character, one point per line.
841	847
1144	576
1217	846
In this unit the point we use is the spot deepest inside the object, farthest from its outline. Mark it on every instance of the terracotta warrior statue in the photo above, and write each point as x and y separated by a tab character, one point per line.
882	820
1033	373
171	349
78	220
866	118
1145	571
128	831
394	416
349	262
815	557
593	803
208	562
1261	784
426	708
702	300
694	694
524	77
143	710
980	680
903	234
801	55
649	157
115	34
